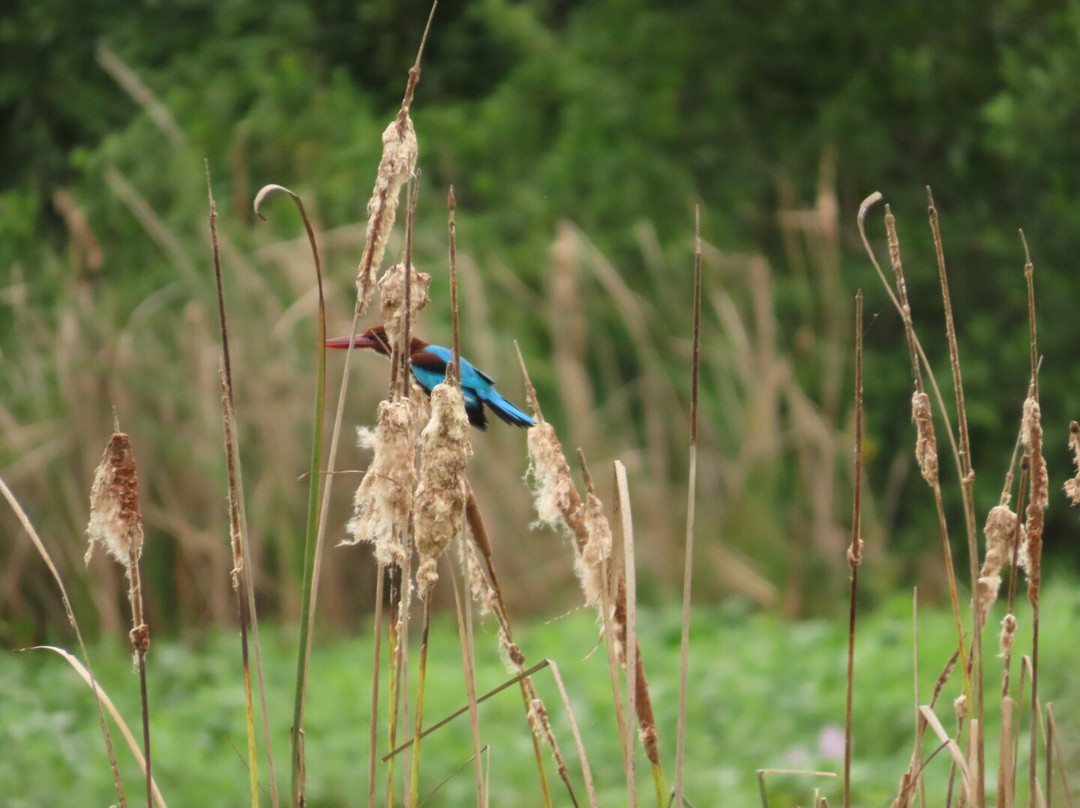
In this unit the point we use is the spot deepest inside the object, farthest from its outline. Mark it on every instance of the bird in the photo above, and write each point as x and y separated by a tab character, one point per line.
428	363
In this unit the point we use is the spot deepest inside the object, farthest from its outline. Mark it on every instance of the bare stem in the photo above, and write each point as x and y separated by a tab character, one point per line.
855	550
451	204
691	492
242	579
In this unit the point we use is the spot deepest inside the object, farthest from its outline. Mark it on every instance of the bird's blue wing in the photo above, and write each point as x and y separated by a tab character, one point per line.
478	388
471	375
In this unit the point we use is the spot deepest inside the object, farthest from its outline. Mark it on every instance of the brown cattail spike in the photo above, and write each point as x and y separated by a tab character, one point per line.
925	443
115	519
1039	487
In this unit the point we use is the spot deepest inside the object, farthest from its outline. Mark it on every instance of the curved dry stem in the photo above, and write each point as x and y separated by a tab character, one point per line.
28	526
316	520
104	701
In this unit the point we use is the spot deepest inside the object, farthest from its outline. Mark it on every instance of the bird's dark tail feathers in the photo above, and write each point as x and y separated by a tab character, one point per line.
507	411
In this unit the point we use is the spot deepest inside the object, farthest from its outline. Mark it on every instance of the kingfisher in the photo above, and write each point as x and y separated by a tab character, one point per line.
429	363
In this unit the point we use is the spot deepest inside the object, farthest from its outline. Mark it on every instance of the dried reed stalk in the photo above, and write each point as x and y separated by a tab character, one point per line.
315	532
558	504
855	551
466	642
485	589
926	443
242	578
967	482
439	515
99	694
1038	500
691	494
1055	740
116	524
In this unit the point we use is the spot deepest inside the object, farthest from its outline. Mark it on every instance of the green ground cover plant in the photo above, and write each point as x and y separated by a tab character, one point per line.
767	694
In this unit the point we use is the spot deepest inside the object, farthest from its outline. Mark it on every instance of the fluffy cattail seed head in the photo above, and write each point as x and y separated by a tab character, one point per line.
1000	531
441	495
392	300
400	150
1008	633
590	564
549	477
1032	436
115	519
384	499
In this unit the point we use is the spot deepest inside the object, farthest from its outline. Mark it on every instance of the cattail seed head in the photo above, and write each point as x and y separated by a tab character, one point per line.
925	442
384	498
1000	531
960	707
392	300
539	720
115	519
442	492
1008	634
400	150
1032	436
512	656
549	477
590	564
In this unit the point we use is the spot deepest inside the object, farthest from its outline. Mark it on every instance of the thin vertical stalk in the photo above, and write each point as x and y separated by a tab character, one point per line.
396	668
855	550
629	591
465	641
242	578
376	653
414	780
451	204
140	638
967	483
483	542
1054	739
1034	527
691	493
313	538
917	355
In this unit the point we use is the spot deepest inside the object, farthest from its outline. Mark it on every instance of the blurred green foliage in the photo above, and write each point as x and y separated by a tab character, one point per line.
608	114
764	694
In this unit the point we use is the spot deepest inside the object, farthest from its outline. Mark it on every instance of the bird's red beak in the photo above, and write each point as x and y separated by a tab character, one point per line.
360	341
374	341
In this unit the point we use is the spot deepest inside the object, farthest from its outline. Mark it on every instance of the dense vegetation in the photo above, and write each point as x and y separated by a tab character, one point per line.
772	698
615	116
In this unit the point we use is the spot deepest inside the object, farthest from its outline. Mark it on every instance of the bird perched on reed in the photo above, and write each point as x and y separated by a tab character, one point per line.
428	363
